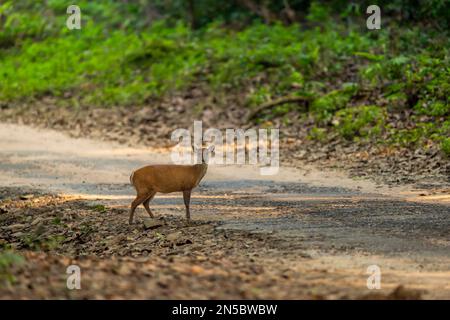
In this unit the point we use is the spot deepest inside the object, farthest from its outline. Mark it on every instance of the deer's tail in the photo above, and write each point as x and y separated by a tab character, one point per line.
131	178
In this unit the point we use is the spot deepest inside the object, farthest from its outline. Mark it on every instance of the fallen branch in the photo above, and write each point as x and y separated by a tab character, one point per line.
276	102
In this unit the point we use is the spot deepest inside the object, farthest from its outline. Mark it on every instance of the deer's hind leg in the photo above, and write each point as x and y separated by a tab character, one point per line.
140	198
146	204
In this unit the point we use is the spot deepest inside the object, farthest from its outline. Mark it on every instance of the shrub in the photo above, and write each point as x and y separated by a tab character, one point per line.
361	121
8	259
445	146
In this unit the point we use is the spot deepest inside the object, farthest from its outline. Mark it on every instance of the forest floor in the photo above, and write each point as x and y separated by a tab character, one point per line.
303	233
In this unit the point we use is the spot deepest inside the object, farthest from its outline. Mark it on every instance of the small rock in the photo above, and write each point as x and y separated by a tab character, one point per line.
18	234
173	237
150	223
26	196
197	270
201	258
36	221
15	227
2	210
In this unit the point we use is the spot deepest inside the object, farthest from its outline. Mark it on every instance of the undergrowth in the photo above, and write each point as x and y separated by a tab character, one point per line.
356	78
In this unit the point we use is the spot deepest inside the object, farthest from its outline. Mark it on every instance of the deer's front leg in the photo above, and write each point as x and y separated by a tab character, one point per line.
187	200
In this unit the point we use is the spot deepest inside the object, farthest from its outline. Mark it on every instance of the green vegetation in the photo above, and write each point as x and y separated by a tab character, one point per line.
8	259
359	122
446	146
357	79
99	208
37	241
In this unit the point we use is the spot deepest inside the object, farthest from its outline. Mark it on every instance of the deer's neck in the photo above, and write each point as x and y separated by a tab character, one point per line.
201	169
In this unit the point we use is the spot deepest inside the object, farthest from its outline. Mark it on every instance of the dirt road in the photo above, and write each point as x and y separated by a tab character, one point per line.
323	227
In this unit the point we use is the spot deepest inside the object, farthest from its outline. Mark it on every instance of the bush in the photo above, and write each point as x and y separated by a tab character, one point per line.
326	105
8	259
361	121
445	146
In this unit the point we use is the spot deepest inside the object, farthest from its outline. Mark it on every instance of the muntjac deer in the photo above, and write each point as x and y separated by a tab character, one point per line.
167	178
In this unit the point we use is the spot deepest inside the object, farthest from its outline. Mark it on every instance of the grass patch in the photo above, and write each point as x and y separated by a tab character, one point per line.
9	259
37	242
99	208
445	146
363	121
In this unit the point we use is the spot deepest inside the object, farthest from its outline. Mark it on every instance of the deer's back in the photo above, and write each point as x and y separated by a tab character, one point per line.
167	178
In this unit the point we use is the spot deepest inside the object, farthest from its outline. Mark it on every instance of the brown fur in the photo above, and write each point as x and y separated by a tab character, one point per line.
165	179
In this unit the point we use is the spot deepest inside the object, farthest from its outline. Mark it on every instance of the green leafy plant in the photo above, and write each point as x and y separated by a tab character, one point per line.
9	259
41	242
361	121
445	146
319	134
99	208
326	105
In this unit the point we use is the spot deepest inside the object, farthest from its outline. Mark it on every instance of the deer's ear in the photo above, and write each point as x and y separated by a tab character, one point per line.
211	148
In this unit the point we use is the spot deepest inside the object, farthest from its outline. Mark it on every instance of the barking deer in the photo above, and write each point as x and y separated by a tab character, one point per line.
167	178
